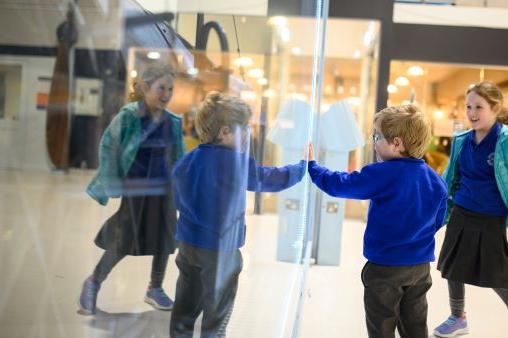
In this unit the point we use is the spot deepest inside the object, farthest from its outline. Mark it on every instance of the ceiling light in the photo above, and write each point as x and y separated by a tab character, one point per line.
134	73
285	34
402	81
438	114
392	89
262	81
368	36
256	72
415	71
277	21
244	61
154	55
193	71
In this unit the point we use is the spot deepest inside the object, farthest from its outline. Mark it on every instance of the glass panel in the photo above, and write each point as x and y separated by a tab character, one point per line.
83	142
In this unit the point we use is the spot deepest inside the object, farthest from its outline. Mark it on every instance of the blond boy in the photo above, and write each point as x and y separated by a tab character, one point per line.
407	207
210	185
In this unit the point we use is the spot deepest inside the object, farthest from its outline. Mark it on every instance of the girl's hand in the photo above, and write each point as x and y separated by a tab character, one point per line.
308	150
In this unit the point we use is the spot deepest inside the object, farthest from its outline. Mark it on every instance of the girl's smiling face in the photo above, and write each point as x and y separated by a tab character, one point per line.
158	95
480	114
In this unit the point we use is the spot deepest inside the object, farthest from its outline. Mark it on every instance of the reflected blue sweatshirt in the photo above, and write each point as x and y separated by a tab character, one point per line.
407	207
209	187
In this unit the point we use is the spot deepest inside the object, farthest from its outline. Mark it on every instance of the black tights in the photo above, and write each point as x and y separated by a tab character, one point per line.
110	258
458	294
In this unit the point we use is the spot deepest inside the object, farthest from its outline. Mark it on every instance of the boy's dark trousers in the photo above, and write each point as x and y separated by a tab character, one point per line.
207	282
395	297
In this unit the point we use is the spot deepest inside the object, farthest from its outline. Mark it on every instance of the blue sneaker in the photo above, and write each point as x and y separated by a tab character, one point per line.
88	297
452	327
157	298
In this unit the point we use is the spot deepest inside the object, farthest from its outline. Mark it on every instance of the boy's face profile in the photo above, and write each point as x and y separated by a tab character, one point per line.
387	150
234	137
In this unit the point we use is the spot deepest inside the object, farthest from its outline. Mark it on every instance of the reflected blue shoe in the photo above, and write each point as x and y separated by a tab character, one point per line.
452	327
88	297
157	298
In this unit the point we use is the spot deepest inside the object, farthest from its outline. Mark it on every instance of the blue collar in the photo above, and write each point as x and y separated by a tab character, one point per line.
490	137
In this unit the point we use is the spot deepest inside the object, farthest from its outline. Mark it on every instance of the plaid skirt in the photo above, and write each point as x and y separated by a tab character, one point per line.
475	250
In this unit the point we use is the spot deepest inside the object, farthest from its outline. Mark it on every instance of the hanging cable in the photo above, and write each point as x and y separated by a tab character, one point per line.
242	72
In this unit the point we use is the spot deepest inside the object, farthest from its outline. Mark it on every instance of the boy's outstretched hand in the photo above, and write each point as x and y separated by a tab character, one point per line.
308	150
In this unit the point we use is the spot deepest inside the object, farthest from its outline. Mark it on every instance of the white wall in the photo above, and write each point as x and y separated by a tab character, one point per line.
23	140
489	17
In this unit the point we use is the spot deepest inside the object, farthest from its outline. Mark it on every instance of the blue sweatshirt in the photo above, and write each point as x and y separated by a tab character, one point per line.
408	205
209	187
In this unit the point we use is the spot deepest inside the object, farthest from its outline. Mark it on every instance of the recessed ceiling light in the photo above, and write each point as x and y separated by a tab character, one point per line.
415	71
154	55
401	81
262	81
244	61
193	71
256	72
278	21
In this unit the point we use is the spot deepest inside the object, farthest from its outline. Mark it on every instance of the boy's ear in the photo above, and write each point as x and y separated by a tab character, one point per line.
399	145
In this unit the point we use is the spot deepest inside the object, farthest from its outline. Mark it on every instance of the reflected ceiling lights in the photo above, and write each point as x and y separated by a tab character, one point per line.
262	81
278	21
193	71
244	61
415	71
154	55
256	72
401	81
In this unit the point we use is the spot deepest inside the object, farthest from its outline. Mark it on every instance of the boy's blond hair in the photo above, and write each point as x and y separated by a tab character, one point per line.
218	110
407	122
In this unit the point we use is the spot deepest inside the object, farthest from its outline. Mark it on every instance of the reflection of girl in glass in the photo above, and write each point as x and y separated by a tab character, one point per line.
136	155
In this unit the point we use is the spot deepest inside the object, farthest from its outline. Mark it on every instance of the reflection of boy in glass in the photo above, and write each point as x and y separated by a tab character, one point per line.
210	185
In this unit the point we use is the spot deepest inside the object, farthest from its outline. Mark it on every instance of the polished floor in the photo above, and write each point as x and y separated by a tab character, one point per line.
47	226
